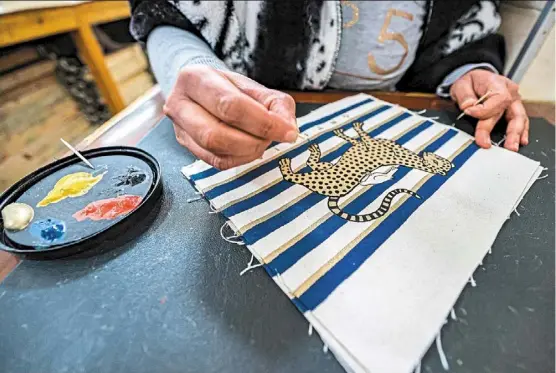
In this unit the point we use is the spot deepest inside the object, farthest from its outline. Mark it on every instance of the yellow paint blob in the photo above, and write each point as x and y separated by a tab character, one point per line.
72	185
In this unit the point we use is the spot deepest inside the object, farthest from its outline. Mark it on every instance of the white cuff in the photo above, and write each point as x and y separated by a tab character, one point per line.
207	61
443	90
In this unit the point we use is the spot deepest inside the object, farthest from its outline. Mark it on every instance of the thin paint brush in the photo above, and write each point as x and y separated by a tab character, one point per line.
479	101
76	152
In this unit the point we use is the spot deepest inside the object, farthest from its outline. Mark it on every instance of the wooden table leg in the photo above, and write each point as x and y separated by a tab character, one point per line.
90	50
7	263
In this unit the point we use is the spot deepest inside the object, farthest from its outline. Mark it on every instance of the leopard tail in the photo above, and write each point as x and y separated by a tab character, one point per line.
378	213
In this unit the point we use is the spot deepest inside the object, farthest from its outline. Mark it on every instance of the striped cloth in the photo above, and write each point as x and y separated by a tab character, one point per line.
376	291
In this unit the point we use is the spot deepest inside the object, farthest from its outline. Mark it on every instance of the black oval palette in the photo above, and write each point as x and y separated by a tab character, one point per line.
124	186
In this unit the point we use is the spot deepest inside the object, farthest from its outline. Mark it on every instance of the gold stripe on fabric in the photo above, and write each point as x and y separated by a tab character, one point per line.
246	227
333	261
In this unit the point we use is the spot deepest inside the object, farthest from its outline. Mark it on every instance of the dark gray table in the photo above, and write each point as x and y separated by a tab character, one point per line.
173	300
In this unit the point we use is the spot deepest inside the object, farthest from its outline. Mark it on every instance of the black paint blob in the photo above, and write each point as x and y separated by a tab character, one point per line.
133	177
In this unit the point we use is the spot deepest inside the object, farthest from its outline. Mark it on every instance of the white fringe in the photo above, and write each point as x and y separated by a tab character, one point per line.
230	239
498	143
213	210
250	266
472	281
441	354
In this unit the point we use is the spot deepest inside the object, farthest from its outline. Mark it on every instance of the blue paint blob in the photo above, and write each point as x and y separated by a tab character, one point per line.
48	230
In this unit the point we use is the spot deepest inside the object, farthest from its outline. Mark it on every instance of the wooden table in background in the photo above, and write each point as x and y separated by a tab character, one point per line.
134	122
78	19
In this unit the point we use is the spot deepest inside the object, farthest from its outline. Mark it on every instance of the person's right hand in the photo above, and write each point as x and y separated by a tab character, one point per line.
227	119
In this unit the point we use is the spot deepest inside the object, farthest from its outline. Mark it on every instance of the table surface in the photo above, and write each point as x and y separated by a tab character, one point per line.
173	301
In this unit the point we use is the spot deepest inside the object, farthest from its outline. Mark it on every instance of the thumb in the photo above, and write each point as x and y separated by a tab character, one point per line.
463	93
275	101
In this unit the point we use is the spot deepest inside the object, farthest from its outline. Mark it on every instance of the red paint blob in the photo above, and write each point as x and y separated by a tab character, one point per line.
107	209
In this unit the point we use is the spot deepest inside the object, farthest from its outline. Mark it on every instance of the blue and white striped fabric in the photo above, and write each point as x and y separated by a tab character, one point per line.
376	291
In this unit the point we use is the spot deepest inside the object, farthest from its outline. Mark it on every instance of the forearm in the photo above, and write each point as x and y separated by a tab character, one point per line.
170	48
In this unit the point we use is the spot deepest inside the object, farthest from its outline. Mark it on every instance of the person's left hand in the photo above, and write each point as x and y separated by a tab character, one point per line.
503	99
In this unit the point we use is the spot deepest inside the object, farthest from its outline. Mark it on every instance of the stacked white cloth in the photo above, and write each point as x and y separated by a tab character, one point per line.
375	270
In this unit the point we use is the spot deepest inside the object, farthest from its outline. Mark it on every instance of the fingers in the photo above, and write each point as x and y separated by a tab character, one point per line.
476	83
221	162
524	139
222	125
496	103
513	134
513	89
503	97
212	134
220	97
275	101
502	92
279	103
483	130
518	126
463	93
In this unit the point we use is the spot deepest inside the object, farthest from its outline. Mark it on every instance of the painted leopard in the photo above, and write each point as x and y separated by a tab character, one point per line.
355	165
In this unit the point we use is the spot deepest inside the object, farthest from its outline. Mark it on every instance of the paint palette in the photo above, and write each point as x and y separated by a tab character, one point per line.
77	208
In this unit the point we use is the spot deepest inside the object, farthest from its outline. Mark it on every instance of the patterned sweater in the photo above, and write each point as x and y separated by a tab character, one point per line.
295	44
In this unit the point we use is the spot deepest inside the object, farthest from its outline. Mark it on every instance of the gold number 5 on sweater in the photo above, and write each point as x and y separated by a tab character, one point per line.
386	35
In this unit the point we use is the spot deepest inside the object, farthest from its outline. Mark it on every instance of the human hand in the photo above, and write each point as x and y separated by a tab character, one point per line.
503	99
227	119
